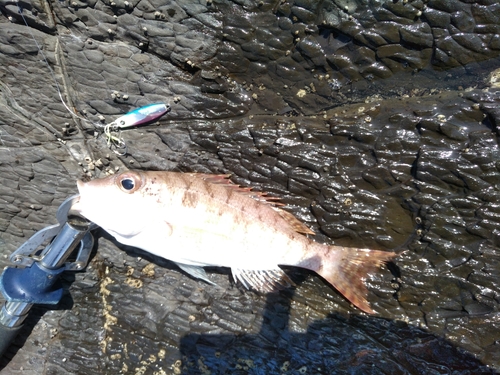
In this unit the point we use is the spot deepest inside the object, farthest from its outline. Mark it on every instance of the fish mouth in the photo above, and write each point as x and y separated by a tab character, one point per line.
77	218
79	185
77	206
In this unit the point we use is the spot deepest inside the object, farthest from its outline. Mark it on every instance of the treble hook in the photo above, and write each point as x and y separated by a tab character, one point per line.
114	139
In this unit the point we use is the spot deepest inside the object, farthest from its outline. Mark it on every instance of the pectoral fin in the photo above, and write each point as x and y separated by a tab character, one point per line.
196	271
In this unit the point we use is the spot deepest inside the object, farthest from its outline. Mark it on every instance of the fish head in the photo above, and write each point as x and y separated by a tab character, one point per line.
122	204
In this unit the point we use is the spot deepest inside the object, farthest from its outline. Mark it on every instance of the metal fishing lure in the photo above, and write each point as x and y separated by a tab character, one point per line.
142	115
139	116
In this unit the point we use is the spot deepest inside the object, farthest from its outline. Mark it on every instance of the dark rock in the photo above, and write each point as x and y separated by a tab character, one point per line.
303	15
463	21
371	122
471	42
437	18
417	35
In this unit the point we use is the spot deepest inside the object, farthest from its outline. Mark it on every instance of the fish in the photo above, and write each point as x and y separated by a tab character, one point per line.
198	220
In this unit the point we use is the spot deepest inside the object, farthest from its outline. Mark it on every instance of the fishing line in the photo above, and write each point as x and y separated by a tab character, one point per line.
112	131
113	136
49	67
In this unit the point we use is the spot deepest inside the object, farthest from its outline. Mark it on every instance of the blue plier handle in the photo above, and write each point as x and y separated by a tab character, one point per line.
34	279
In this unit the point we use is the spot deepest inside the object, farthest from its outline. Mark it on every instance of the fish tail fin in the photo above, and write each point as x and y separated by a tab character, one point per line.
347	268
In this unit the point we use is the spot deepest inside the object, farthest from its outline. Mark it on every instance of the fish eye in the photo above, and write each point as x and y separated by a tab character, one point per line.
127	183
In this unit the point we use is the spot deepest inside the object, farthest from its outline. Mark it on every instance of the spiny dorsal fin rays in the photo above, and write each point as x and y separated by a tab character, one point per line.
214	178
223	179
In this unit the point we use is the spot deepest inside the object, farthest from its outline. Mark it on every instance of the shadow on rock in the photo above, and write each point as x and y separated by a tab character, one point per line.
31	323
334	345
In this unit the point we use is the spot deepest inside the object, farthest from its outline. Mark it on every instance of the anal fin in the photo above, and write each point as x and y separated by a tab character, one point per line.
197	272
264	281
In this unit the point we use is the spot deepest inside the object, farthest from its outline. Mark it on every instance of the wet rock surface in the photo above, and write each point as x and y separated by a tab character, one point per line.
374	122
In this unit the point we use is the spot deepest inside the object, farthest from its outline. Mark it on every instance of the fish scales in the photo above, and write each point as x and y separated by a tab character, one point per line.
222	219
199	220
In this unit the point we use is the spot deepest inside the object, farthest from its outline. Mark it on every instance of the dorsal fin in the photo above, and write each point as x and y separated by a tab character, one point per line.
223	179
214	178
295	223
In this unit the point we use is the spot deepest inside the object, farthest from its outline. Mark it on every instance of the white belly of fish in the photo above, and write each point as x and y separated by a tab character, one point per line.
235	248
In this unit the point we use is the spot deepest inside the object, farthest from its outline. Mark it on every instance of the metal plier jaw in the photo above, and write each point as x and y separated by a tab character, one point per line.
27	253
35	277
